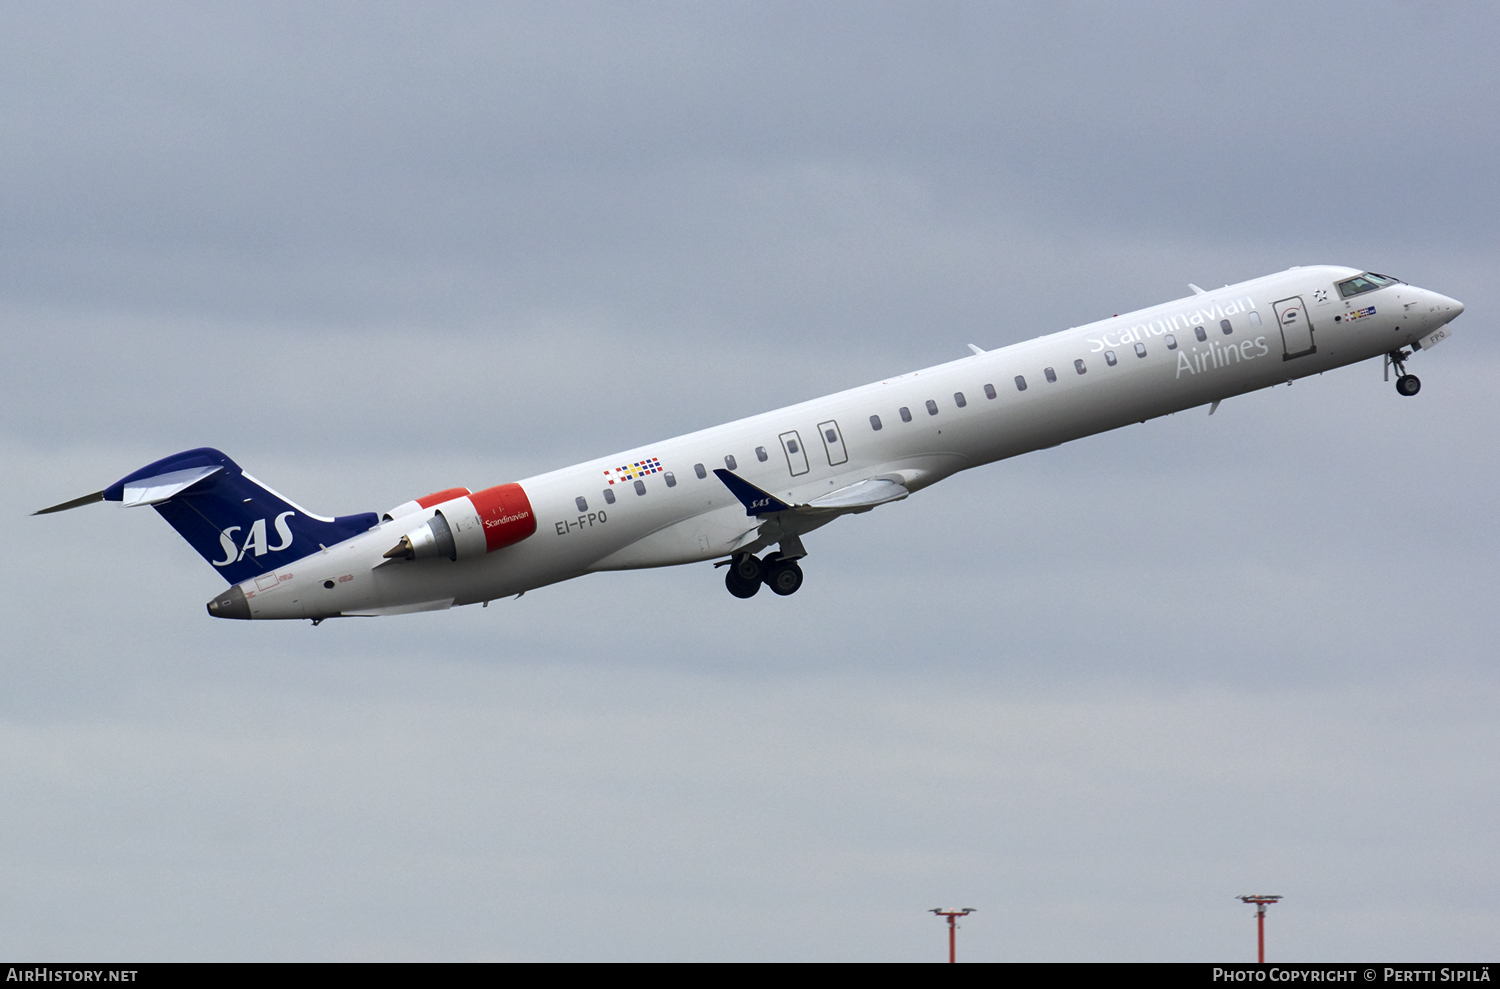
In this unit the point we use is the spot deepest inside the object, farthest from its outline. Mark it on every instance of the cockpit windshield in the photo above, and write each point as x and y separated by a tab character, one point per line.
1368	282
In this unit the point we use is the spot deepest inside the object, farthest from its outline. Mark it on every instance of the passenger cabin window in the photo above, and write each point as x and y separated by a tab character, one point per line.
729	462
1140	350
1020	383
905	414
1171	342
671	479
1110	359
875	423
1051	374
989	391
1224	324
609	497
1359	284
583	506
1200	333
931	407
1080	367
640	487
698	469
959	400
760	454
1254	318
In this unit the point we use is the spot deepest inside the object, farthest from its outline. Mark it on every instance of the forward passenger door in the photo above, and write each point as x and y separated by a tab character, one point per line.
1296	328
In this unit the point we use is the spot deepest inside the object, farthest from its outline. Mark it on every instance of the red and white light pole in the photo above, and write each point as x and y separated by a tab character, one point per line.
1260	902
952	913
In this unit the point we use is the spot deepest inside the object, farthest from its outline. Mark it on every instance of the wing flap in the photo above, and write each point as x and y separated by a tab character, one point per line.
868	493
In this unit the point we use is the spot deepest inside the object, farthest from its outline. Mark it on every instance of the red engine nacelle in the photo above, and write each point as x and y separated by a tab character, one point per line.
470	525
426	501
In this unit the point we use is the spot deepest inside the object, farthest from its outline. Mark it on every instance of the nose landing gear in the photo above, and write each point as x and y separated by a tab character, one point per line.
746	573
1406	384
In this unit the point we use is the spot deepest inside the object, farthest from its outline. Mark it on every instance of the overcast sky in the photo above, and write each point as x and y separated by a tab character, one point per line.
374	250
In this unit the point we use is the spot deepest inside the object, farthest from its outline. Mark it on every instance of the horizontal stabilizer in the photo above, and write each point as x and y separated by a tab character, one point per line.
756	501
155	490
87	499
236	523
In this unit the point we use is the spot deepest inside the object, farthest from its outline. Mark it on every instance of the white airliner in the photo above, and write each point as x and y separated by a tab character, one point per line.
734	491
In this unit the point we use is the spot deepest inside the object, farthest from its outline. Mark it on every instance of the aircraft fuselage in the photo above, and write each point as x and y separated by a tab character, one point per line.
784	473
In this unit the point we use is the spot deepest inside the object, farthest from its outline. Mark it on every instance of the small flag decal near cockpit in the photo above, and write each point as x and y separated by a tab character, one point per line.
633	471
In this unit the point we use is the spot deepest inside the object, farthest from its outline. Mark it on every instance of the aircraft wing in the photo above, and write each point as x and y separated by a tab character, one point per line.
861	496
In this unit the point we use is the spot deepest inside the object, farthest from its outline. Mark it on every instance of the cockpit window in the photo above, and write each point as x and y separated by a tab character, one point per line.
1368	282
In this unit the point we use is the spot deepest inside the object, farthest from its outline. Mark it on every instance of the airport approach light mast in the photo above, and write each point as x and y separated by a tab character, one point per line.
952	913
1260	902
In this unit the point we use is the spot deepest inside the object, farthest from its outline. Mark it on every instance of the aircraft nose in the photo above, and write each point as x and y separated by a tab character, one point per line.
1450	308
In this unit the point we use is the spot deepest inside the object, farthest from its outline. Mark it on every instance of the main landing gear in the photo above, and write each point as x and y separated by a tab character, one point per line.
746	573
1406	384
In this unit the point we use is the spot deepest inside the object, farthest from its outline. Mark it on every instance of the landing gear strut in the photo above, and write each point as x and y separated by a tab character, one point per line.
746	573
1406	384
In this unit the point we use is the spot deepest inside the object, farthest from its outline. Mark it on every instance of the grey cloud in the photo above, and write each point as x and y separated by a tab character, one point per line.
376	250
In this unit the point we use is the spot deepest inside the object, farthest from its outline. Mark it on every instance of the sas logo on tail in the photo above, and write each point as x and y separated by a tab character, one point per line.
255	541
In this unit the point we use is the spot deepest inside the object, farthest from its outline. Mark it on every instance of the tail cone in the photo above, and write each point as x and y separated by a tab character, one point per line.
230	604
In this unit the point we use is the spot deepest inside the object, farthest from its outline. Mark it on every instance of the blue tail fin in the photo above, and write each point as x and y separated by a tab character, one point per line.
237	523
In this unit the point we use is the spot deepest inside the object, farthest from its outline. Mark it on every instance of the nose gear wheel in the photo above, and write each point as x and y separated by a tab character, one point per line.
1406	384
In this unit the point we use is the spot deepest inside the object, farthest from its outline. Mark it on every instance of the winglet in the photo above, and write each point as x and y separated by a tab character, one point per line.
756	501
